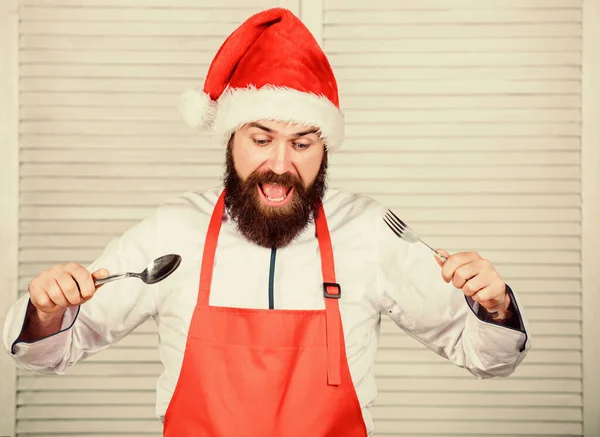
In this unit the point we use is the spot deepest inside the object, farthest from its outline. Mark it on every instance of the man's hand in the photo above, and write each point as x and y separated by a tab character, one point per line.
478	278
52	292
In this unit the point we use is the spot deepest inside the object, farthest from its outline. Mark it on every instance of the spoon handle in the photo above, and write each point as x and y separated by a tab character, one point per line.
101	281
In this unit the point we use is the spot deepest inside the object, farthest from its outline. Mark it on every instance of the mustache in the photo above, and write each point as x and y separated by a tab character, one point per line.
269	177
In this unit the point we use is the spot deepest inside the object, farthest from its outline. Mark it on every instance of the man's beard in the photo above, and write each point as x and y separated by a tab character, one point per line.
268	226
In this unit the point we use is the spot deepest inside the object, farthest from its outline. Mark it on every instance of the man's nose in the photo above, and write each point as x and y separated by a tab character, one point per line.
280	161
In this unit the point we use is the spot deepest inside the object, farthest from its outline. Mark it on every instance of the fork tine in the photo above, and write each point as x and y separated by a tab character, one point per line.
394	229
397	218
396	223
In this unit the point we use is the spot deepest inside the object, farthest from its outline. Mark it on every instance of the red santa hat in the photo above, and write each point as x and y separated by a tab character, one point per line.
269	68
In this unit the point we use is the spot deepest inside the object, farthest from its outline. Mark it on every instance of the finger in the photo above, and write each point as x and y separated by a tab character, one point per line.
56	294
40	299
488	299
455	261
474	285
443	253
99	274
69	287
84	280
468	271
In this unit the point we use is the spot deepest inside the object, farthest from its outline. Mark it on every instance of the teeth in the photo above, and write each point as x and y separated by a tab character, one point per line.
276	199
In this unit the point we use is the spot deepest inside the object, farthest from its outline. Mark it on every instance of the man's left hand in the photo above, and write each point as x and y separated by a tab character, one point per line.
478	278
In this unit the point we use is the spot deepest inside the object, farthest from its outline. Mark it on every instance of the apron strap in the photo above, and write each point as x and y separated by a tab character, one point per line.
210	248
332	292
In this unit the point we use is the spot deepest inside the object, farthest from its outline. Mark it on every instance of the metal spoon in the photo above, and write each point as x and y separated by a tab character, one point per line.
156	271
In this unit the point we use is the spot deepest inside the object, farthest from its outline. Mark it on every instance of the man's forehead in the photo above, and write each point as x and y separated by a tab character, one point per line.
281	127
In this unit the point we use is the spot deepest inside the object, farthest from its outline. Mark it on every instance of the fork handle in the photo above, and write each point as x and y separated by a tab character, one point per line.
437	255
440	257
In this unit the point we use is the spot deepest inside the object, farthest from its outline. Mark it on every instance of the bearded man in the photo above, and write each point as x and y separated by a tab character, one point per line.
270	325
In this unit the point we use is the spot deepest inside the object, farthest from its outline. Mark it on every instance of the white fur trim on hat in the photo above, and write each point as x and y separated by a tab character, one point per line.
238	106
197	108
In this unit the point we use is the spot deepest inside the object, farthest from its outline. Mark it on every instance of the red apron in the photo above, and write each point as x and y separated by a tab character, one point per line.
265	373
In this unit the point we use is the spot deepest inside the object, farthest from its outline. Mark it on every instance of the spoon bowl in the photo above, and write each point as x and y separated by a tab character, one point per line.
156	271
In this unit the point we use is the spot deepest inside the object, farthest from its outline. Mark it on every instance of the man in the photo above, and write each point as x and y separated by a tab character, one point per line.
270	325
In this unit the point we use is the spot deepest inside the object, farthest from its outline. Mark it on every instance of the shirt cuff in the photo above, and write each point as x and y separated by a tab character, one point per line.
514	322
46	352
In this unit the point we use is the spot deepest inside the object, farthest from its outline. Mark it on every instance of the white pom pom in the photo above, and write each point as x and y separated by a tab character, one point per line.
197	108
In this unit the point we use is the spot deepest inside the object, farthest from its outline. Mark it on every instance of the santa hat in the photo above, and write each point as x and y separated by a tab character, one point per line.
269	68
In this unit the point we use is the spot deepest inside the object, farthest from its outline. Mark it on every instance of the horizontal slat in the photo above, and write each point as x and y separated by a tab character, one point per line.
521	413
68	427
67	413
537	328
449	371
38	162
374	31
133	144
211	44
337	60
408	206
121	57
163	4
378	86
153	98
408	215
550	285
480	73
171	87
127	142
481	399
367	186
535	357
392	101
453	16
383	399
389	130
202	16
387	384
67	113
467	384
119	42
443	60
127	29
462	45
379	412
502	428
550	343
393	129
383	173
399	201
442	4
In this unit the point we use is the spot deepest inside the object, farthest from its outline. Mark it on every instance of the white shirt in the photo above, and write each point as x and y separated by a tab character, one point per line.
379	274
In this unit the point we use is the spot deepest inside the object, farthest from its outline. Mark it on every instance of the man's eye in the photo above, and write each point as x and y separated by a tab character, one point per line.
261	142
301	146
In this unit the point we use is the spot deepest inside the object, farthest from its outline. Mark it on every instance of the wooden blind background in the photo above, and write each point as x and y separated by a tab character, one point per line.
463	116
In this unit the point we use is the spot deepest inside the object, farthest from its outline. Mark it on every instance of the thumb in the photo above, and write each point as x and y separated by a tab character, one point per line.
100	273
443	253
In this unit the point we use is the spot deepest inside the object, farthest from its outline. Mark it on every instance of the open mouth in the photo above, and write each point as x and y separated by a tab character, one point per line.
275	194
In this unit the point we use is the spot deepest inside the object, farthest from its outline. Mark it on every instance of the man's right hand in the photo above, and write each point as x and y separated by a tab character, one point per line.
52	292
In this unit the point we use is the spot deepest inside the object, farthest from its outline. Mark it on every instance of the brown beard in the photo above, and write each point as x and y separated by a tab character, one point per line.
271	227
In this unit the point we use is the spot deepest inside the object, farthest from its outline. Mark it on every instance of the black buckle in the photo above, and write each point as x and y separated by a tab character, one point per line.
329	295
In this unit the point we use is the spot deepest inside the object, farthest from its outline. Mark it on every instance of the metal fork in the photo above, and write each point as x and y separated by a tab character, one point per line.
405	232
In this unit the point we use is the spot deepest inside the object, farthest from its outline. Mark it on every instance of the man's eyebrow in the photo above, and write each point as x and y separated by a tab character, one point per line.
271	131
260	126
307	132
